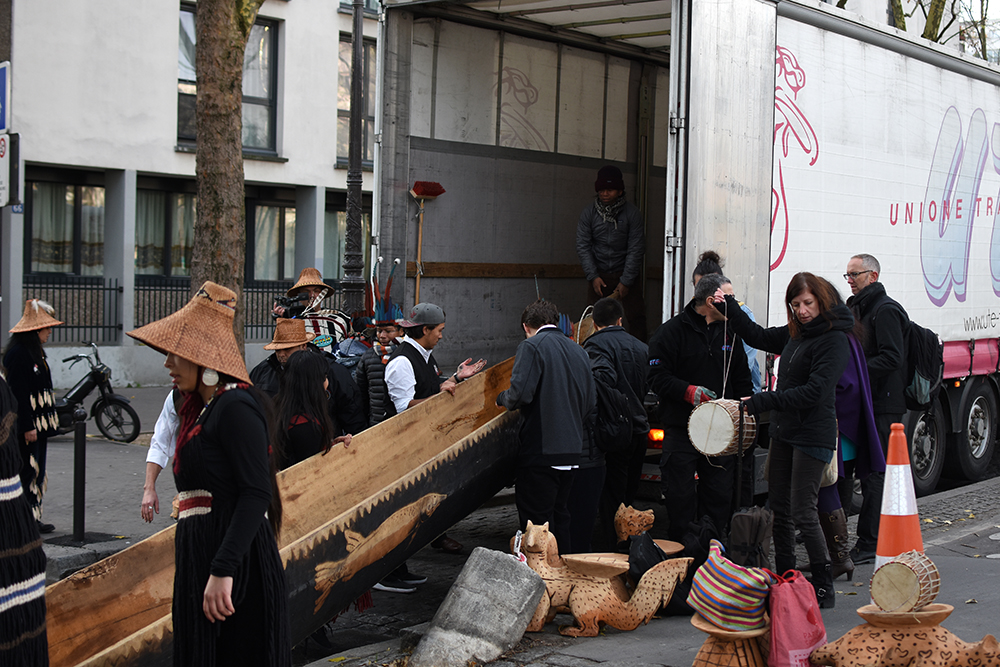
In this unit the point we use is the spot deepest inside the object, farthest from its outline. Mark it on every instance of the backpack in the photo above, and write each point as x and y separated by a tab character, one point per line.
750	537
613	427
924	367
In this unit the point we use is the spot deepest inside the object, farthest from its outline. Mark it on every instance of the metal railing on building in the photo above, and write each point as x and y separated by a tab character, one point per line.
89	306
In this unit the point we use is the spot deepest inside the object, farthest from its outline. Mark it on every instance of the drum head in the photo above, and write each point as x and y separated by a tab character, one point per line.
710	428
895	587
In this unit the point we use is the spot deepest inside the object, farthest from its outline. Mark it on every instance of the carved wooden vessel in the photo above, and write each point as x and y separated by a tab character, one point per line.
350	518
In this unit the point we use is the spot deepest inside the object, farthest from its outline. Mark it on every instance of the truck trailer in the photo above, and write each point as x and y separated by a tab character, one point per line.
787	135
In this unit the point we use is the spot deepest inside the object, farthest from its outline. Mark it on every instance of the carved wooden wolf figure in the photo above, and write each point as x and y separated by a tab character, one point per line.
594	593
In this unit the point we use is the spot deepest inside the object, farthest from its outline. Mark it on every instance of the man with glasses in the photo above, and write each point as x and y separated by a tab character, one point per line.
885	324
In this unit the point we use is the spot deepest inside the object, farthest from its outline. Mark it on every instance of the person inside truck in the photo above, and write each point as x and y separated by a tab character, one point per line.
610	241
814	352
694	358
885	353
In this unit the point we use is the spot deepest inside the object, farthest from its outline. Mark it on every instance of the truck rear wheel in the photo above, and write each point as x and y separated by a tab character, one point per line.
977	437
927	447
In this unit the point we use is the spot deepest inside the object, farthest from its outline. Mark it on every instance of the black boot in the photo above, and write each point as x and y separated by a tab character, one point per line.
822	581
834	527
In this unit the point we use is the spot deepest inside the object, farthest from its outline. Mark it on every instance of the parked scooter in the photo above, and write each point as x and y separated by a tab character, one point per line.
116	419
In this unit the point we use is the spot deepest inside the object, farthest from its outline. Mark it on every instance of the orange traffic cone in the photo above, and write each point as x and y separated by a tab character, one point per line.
899	528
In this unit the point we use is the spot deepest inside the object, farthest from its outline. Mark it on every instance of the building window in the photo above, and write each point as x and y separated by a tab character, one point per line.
367	102
260	84
65	225
335	243
273	240
370	6
164	232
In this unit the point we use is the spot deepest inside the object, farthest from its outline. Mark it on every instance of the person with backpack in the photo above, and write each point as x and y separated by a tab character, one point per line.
695	357
619	362
885	324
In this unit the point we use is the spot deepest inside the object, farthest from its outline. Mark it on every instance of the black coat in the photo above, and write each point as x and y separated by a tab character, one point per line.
553	387
31	383
803	407
685	351
622	360
346	406
885	323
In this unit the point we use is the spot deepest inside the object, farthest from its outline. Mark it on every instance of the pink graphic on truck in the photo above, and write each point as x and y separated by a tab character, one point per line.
789	122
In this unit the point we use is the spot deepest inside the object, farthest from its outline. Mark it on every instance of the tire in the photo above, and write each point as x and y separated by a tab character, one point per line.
927	447
977	436
118	421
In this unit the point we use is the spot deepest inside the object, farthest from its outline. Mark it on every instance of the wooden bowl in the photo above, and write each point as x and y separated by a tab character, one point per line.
932	614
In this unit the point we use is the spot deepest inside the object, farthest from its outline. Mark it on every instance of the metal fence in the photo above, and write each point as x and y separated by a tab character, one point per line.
89	306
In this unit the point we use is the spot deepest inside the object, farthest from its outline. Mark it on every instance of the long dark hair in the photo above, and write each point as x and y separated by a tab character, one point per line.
301	393
28	339
825	293
190	411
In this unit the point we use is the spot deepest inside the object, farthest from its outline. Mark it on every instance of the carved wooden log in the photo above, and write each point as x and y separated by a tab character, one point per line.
350	518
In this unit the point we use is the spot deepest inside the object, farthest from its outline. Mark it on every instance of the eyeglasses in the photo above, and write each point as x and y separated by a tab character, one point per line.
854	274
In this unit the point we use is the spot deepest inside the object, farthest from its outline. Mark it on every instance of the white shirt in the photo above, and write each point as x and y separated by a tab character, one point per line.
164	440
400	379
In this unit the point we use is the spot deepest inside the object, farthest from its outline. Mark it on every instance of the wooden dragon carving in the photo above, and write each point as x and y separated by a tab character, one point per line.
593	591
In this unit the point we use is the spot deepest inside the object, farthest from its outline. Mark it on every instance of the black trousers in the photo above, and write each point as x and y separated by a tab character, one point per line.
620	486
871	490
584	499
541	494
793	485
633	303
688	499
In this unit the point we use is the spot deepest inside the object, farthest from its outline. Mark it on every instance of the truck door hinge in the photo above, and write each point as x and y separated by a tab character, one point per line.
677	123
673	241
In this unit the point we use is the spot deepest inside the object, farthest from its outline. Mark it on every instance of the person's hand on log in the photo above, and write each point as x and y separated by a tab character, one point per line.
449	385
467	369
218	601
621	291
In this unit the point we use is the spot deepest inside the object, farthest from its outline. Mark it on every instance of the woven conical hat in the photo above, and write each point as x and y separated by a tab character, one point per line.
289	333
309	277
36	316
201	332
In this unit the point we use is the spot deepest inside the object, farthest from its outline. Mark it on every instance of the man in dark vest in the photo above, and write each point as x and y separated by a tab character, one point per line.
412	374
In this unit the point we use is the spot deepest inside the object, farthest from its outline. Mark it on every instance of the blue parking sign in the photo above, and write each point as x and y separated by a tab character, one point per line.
4	97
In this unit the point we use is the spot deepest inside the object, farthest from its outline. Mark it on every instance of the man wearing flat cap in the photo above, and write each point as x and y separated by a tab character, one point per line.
611	241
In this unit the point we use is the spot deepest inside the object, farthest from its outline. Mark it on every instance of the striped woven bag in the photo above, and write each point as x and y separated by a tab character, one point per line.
728	595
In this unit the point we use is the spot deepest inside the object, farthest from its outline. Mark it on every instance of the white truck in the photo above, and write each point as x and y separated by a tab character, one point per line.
787	135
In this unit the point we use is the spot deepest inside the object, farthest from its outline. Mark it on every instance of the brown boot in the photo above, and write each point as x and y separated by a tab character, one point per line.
835	529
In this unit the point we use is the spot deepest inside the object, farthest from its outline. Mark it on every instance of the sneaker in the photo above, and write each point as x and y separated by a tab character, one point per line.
862	556
392	584
44	528
408	577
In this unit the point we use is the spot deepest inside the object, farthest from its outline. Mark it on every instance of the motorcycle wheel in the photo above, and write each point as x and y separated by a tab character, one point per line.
118	421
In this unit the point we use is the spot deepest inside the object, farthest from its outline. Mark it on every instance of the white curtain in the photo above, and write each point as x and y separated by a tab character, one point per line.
150	228
290	244
52	227
92	231
184	210
265	254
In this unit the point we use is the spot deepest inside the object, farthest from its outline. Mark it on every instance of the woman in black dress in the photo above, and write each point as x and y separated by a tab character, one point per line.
814	352
28	376
230	602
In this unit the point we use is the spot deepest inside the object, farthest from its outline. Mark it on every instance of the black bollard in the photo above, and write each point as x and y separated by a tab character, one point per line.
79	471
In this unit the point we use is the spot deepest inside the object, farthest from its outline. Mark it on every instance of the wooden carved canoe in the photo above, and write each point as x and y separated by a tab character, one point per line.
350	518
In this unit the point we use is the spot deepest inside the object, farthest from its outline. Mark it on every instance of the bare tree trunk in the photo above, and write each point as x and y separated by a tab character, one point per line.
932	29
221	29
898	17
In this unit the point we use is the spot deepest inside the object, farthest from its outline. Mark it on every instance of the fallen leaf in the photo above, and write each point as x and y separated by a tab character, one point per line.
928	520
972	601
120	537
948	522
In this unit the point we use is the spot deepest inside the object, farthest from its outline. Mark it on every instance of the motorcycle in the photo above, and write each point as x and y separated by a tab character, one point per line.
116	419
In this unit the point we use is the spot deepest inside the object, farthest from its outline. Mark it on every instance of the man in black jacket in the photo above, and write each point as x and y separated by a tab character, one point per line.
552	385
346	405
689	358
621	361
885	323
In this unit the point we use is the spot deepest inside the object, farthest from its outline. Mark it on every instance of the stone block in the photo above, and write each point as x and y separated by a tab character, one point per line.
484	614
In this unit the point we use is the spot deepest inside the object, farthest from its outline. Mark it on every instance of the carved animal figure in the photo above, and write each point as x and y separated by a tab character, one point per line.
593	591
630	521
906	646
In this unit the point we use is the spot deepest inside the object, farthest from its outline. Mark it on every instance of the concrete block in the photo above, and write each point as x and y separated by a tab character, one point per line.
484	614
64	561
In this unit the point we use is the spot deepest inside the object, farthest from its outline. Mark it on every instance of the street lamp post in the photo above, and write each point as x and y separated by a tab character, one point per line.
354	282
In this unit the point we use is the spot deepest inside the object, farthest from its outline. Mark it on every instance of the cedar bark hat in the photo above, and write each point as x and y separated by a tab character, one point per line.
37	315
201	332
289	333
309	277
